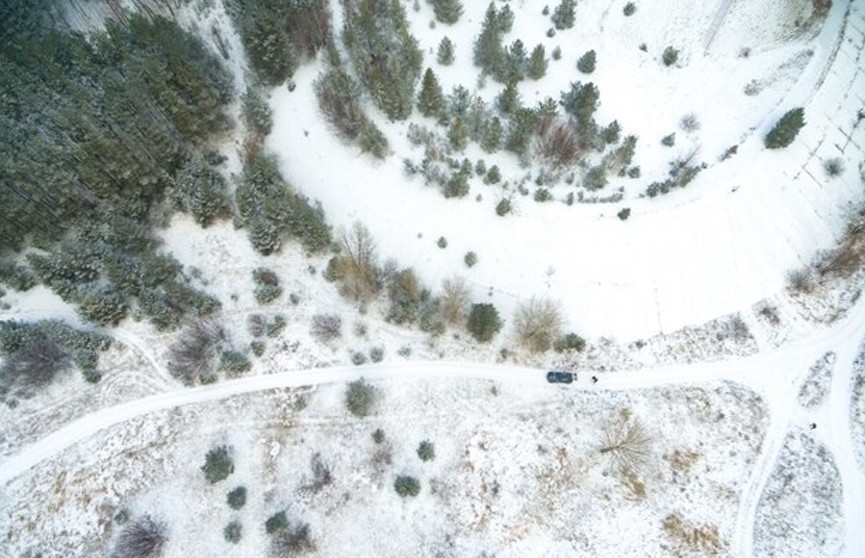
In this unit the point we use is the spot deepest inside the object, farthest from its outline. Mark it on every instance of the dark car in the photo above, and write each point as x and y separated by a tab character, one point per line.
559	377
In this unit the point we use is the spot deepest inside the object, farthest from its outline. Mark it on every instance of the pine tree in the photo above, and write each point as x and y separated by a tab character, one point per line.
538	63
492	137
505	19
488	52
430	101
458	134
445	54
447	11
586	63
786	129
509	99
516	60
563	16
581	101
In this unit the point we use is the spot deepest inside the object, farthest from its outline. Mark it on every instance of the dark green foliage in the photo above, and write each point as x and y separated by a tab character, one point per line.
104	305
503	207
426	451
121	517
236	499
458	135
442	242
445	53
232	532
358	358
524	122
376	354
557	53
430	100
596	178
483	322
274	326
447	11
470	259
611	133
508	100
581	102
218	464
586	63
786	129
538	63
405	486
256	113
34	353
669	141
276	522
257	347
492	136
505	20
96	127
406	295
360	397
200	190
515	64
234	363
271	211
278	34
378	436
457	186
624	213
563	16
267	287
16	276
629	9
542	195
570	342
670	56
384	54
339	99
488	52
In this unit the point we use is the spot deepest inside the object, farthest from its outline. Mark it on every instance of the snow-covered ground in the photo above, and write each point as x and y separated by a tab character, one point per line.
735	468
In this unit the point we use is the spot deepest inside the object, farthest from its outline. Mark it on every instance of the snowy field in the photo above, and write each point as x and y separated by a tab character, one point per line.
752	395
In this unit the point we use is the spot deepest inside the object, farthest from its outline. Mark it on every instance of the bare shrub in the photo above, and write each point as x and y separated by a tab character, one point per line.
256	324
326	327
626	442
703	540
801	280
738	328
356	267
194	355
34	361
538	323
321	474
292	541
143	538
834	167
689	123
455	300
559	140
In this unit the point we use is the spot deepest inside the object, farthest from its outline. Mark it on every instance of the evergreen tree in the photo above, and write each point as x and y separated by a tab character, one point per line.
581	101
256	113
483	321
508	100
538	63
447	11
492	137
505	20
516	60
586	63
201	190
524	123
786	129
488	52
457	134
430	101
610	134
563	16
445	54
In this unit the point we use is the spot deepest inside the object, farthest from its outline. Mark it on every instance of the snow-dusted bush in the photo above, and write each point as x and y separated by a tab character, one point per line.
445	52
483	321
669	140
558	141
834	167
356	268
142	538
569	342
233	363
376	354
406	295
689	123
586	63
218	464
193	356
563	16
321	473
447	11
267	288
378	436
232	532
470	259
406	486
326	327
626	442
786	129
537	324
276	522
256	113
16	276
360	397
104	305
624	213
358	358
426	451
454	300
236	499
629	9
494	175
670	56
292	541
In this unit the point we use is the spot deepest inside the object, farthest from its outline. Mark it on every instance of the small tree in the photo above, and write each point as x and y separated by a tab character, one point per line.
538	324
430	100
458	135
483	322
293	541
563	16
447	11
276	522
406	486
426	451
586	63
538	63
629	9
217	464
786	130
360	398
445	53
233	532
670	56
236	499
455	299
626	442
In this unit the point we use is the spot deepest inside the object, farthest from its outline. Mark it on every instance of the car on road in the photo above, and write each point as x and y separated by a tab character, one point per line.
560	377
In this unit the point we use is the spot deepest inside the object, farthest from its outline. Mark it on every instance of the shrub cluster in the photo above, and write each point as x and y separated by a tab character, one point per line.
483	321
194	355
267	287
360	397
218	464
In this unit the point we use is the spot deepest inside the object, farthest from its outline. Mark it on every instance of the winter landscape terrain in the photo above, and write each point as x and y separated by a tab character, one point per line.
344	351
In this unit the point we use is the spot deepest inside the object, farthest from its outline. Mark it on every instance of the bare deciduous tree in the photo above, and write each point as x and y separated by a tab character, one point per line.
455	300
626	442
326	327
193	356
537	324
143	538
356	267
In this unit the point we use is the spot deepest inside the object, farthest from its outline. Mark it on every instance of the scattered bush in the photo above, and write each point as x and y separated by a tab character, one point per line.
405	486
267	287
321	473
557	53
326	327
586	63
376	354
358	358
542	195
483	321
669	140
257	347
426	451
670	56
537	324
378	436
689	123
276	522
563	16
236	498
143	538
360	398
558	140
470	259
445	53
232	532
218	464
626	442
234	363
293	541
494	176
801	280
786	129
503	207
595	178
629	9
570	342
834	167
274	326
624	213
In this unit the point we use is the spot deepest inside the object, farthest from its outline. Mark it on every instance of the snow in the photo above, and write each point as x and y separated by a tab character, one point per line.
673	302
